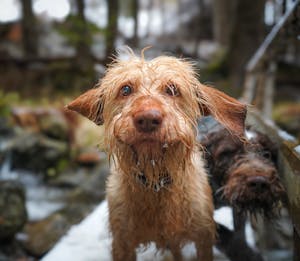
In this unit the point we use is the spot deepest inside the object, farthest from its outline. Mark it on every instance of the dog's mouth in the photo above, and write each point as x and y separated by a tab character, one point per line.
152	144
266	201
155	139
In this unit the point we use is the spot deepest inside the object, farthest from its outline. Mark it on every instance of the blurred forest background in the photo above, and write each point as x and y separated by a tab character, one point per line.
52	50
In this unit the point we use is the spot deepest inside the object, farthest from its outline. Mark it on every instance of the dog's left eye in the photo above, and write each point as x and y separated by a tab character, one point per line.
172	90
126	90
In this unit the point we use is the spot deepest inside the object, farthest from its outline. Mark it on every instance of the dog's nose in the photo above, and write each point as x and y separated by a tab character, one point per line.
258	183
148	121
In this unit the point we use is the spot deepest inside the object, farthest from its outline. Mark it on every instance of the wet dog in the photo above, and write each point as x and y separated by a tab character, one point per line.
158	188
243	174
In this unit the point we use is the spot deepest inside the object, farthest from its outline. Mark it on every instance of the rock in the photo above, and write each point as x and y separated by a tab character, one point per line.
287	116
13	251
52	122
90	158
42	235
6	130
88	184
33	151
13	213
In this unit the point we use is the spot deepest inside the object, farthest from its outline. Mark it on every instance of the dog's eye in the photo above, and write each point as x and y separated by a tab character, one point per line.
126	90
267	154
172	90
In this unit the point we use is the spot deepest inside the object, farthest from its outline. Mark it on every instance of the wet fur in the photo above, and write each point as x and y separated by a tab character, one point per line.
232	162
182	211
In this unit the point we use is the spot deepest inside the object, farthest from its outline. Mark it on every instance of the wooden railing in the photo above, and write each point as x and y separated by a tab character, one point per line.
261	69
258	90
289	168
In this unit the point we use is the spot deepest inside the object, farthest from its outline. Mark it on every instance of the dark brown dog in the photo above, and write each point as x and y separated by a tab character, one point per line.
244	175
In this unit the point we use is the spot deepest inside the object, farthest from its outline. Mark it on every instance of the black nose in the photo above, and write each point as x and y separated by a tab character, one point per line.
147	121
258	183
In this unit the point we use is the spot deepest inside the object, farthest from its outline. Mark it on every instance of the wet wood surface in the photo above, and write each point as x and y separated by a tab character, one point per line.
289	167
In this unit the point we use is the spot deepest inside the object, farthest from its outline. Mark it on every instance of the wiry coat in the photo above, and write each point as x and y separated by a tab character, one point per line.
158	188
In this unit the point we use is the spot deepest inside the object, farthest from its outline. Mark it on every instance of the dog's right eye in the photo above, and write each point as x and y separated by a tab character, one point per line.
172	90
126	90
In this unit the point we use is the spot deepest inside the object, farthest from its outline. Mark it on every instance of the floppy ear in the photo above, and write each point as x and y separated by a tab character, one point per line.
90	105
228	111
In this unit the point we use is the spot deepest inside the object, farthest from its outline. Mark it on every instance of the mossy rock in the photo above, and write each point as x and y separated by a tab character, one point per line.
13	214
287	116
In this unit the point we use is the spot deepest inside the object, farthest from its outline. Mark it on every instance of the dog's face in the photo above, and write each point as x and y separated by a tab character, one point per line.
152	106
246	172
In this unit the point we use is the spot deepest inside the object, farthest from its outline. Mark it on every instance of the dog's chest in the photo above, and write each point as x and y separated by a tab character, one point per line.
158	216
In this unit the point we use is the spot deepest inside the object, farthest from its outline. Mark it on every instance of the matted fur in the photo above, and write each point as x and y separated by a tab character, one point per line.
181	211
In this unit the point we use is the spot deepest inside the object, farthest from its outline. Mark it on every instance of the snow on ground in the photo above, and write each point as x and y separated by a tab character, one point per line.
90	240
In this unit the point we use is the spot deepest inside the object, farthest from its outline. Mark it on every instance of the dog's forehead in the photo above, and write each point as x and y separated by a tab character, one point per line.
162	64
150	73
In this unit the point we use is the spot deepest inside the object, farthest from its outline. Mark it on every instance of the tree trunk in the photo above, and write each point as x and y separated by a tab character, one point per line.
112	28
29	30
135	12
223	16
247	34
83	52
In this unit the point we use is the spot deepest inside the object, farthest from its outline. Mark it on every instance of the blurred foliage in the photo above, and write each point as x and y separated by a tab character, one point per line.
73	27
217	66
6	100
287	116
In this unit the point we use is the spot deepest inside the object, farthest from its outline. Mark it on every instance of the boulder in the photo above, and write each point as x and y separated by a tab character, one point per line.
42	235
55	123
13	213
36	152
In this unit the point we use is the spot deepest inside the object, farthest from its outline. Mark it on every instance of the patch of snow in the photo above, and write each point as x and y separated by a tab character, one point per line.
39	210
250	237
250	134
224	217
90	240
297	149
285	135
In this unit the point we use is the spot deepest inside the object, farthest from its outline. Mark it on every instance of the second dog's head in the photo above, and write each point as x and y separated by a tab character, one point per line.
246	172
149	109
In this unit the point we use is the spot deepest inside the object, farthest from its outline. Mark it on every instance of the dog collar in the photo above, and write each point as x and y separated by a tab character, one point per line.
162	182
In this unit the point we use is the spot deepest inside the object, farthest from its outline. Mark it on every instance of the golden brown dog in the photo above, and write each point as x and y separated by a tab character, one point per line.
158	189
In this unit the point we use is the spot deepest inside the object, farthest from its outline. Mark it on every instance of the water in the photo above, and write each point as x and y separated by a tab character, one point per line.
41	200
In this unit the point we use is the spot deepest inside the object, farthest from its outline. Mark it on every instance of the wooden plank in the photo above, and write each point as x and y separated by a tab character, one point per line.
269	40
289	169
296	247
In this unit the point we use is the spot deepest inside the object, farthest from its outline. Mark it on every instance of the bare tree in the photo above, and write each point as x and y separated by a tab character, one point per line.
223	16
83	52
247	34
239	27
135	12
112	27
29	30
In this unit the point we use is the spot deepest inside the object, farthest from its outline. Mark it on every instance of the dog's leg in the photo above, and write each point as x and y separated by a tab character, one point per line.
205	247
122	250
235	247
176	252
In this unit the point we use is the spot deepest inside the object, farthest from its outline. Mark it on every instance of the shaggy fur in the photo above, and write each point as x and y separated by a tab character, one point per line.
243	175
158	188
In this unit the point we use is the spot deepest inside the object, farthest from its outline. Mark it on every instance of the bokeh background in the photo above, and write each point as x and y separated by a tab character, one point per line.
53	50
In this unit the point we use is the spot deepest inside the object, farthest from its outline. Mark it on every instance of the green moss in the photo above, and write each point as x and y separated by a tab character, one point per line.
216	68
287	116
6	101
